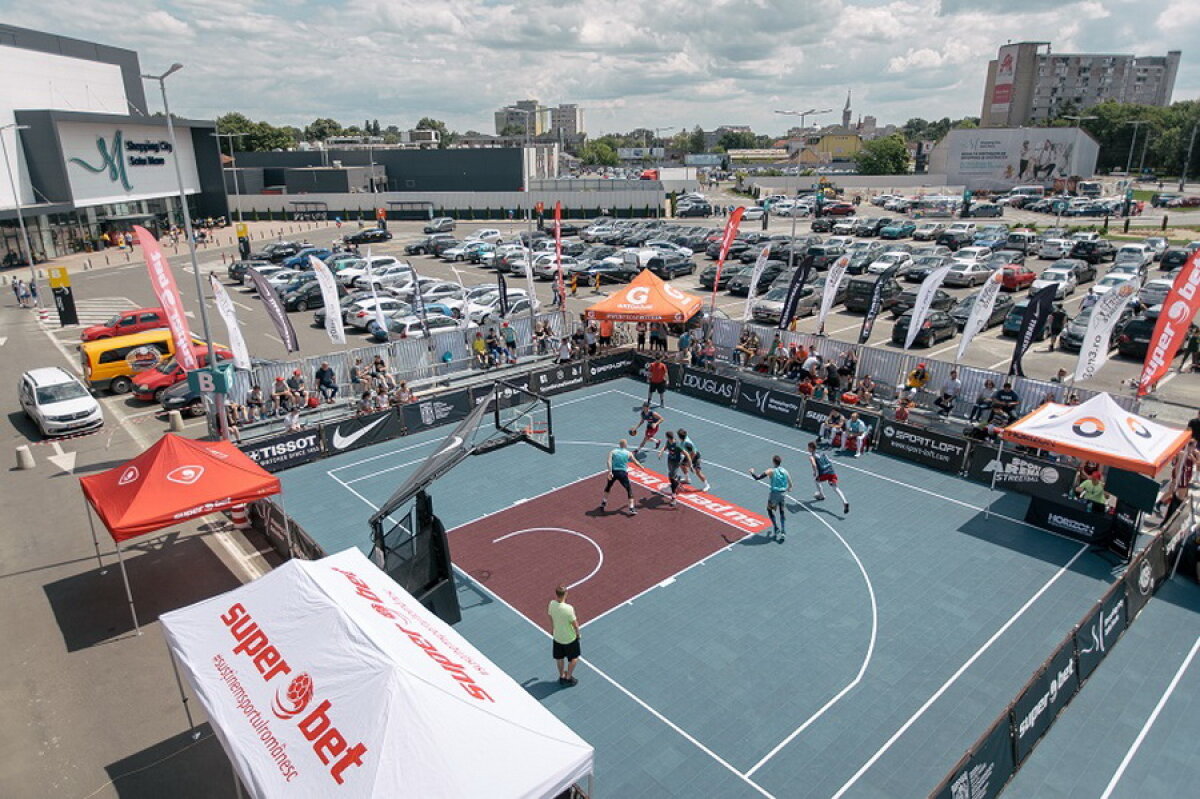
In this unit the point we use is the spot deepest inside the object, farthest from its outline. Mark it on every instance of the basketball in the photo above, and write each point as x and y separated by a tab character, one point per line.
633	431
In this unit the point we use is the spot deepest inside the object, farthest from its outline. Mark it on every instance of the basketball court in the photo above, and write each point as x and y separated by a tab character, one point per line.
860	656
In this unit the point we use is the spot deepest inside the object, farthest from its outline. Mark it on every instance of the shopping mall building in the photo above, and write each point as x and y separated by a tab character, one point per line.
83	150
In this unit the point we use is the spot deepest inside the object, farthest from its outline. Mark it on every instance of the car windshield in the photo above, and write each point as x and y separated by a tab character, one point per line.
777	294
1111	281
168	366
1055	274
60	393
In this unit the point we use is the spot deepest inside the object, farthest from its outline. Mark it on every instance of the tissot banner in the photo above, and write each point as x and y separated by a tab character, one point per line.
1093	354
769	404
447	408
162	279
1178	311
329	297
361	431
285	450
1044	698
275	310
926	447
1013	471
559	378
610	367
709	386
228	314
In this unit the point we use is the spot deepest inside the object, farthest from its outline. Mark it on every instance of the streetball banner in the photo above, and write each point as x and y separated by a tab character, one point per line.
985	301
237	343
163	282
731	229
759	265
1177	314
833	282
329	296
1105	313
925	295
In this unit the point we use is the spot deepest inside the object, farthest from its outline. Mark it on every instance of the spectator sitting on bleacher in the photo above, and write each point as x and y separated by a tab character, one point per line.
378	366
403	394
326	382
949	395
1004	405
366	404
281	397
778	357
254	403
855	433
382	403
747	348
848	364
805	387
915	382
820	392
832	425
902	411
812	366
865	390
708	353
833	379
983	402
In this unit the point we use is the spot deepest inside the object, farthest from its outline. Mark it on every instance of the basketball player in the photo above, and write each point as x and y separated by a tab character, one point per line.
781	483
652	419
618	472
693	462
677	459
823	472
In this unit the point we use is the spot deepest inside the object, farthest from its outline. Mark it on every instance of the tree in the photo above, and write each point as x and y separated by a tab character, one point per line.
740	140
885	156
598	153
696	140
255	136
513	129
322	128
446	137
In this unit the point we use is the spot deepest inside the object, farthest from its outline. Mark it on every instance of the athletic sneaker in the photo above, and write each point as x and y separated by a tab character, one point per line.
572	681
845	507
604	504
815	496
705	486
633	511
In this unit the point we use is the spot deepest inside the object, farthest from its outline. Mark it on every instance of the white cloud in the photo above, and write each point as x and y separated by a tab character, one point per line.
667	62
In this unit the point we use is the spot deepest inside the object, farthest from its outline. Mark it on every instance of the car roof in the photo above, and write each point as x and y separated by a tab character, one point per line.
50	376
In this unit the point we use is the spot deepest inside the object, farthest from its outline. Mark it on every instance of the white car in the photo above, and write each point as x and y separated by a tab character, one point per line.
397	275
1130	268
1109	282
487	310
1155	292
490	259
1085	235
475	295
281	277
839	241
1053	249
844	227
789	209
1138	254
962	227
489	234
973	254
361	313
888	260
57	402
753	213
546	266
1063	277
349	275
670	246
1158	245
928	231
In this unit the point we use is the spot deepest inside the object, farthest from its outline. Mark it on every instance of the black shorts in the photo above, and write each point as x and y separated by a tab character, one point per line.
660	388
623	479
566	651
696	460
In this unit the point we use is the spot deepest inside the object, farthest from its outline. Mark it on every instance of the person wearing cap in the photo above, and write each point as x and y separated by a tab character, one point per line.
299	388
281	397
510	341
916	380
326	382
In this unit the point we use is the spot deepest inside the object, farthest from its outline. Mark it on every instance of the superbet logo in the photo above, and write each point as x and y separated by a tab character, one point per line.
317	728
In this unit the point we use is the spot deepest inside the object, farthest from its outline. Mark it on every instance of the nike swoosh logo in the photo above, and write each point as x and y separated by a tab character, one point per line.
341	442
455	444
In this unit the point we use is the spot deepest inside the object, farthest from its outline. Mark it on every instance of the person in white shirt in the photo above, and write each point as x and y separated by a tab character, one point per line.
949	395
855	435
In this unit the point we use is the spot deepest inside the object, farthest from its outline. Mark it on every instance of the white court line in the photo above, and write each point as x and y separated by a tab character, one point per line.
592	666
1162	702
589	539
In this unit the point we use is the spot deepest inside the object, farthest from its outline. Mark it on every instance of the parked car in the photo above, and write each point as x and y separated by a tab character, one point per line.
410	327
300	260
308	296
1015	277
1154	292
1158	245
938	326
668	265
236	272
700	209
439	224
942	301
1072	337
1000	309
922	267
1012	322
276	251
859	291
126	322
838	209
395	275
709	275
350	274
986	209
361	313
1084	272
973	254
954	239
1109	282
1061	276
1093	251
899	229
545	267
1139	254
1173	258
901	260
928	231
487	312
753	213
1053	249
468	251
372	235
149	384
425	246
968	273
57	402
739	285
1134	339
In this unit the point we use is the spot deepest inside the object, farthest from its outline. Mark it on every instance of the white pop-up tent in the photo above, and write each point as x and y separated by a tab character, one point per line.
325	678
1100	430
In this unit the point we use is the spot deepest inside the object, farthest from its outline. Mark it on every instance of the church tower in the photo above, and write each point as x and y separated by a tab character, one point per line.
846	111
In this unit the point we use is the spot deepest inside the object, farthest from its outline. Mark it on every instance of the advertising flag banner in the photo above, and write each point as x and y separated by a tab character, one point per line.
795	289
163	282
876	303
1178	311
1032	324
925	295
1105	314
759	265
418	302
530	290
329	296
985	301
833	282
731	229
275	310
380	319
502	286
237	343
558	277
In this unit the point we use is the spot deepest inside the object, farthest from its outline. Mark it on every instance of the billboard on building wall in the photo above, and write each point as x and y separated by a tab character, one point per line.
639	153
1000	158
114	162
1006	70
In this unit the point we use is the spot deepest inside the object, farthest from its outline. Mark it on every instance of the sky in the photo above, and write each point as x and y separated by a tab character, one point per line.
663	64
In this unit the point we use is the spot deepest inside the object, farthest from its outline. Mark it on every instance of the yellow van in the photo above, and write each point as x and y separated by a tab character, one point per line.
110	364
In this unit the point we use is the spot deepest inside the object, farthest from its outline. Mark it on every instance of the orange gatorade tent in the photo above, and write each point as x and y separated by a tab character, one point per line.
1100	430
647	298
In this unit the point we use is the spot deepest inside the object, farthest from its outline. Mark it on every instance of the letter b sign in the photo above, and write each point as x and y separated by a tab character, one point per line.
209	381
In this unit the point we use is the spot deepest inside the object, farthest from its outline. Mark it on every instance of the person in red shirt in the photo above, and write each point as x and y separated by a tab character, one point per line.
606	334
659	380
805	388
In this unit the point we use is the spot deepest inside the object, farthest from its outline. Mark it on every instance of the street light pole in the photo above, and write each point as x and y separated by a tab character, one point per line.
1187	159
218	398
236	193
17	195
1132	141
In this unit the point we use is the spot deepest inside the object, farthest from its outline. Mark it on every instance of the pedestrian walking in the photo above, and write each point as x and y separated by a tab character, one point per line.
565	634
574	283
16	286
618	472
780	483
1056	323
33	294
824	472
1191	348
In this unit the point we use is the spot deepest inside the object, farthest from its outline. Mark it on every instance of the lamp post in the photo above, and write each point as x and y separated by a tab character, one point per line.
1132	141
1187	159
12	183
237	194
218	398
804	114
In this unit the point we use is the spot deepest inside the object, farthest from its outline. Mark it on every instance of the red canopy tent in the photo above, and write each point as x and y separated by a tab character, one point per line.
175	480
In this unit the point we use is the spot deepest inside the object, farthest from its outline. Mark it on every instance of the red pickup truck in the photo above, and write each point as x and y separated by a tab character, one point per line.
127	322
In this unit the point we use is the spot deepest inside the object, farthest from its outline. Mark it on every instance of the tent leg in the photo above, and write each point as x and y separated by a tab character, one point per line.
590	786
128	592
95	541
987	514
183	696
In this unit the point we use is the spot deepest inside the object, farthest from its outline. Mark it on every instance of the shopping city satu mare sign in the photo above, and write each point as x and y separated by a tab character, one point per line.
116	155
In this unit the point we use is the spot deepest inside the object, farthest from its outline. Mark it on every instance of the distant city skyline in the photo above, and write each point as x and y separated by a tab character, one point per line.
652	65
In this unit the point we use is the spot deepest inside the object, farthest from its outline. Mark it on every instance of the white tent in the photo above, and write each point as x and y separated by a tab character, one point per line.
325	678
1099	430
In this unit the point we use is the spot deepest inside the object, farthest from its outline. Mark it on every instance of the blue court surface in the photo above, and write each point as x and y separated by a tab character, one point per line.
860	657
